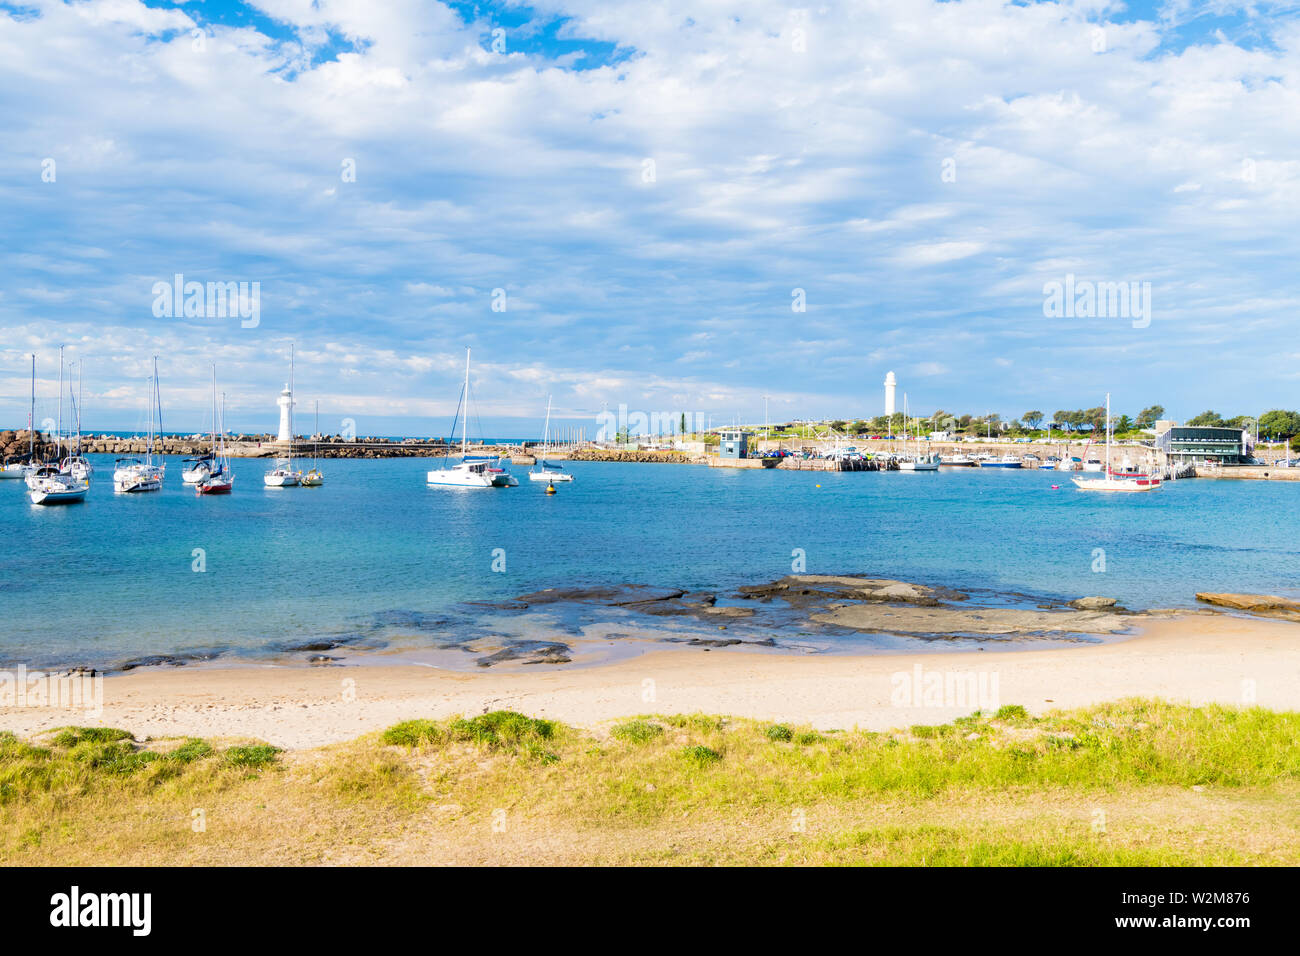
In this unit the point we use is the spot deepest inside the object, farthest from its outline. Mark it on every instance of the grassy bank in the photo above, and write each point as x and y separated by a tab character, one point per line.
1137	782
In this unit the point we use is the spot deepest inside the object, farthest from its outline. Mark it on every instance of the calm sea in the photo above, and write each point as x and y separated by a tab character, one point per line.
377	557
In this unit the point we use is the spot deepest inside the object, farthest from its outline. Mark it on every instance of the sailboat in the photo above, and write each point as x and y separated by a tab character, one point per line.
917	462
75	464
472	471
46	484
17	466
283	475
543	470
132	475
1113	480
219	478
314	478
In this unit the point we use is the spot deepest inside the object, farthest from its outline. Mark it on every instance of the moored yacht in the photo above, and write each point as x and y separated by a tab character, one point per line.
472	471
1116	480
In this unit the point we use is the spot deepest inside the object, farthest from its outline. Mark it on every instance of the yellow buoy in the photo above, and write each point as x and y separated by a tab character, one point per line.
550	488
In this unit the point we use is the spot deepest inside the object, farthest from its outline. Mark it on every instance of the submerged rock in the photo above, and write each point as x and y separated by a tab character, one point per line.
614	595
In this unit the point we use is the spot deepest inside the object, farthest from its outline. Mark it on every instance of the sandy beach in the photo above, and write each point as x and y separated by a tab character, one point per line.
1195	658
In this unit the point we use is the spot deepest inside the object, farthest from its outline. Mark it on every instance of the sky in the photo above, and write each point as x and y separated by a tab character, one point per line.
705	207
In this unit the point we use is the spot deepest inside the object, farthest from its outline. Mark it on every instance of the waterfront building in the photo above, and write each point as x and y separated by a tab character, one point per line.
1198	444
734	443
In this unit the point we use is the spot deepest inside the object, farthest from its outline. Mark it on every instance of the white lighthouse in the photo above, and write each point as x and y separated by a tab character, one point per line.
891	385
285	401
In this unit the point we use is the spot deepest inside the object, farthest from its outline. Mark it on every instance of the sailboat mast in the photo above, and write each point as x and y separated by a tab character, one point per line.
58	433
81	393
546	429
31	418
214	410
1108	436
315	448
464	425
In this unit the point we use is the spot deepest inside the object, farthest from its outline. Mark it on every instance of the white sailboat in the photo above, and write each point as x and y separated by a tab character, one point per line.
1113	480
131	476
220	479
477	471
20	467
75	464
283	475
47	485
917	462
314	478
543	470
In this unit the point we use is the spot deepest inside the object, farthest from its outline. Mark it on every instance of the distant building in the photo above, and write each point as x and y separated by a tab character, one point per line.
891	386
1197	444
734	443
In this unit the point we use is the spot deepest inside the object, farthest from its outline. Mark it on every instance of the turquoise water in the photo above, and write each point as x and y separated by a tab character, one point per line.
377	556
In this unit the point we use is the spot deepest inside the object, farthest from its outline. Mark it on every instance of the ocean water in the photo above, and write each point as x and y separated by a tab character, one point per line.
378	558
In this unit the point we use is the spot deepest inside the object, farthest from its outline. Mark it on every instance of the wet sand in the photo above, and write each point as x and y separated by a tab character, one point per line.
1193	658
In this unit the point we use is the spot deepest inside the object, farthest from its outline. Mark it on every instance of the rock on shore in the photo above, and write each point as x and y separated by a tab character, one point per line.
1265	605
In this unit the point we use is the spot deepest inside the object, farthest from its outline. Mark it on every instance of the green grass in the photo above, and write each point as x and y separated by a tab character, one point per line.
414	733
1180	785
637	731
256	755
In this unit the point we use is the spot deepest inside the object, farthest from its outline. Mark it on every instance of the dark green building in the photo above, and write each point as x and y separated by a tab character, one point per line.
1198	444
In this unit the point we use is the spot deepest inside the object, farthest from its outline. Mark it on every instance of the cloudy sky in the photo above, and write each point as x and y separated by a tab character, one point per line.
654	188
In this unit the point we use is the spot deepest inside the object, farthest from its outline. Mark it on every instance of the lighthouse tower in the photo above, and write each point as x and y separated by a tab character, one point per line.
891	385
285	401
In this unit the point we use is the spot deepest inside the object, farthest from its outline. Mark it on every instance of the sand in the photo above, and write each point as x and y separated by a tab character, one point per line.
1194	658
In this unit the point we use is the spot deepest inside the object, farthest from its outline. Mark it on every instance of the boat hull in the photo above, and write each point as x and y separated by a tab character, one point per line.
1117	484
214	487
549	476
281	481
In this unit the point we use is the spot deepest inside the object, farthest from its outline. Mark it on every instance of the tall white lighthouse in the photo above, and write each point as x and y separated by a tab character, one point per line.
285	401
891	385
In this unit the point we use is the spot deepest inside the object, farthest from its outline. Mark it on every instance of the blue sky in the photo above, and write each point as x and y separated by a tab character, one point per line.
649	184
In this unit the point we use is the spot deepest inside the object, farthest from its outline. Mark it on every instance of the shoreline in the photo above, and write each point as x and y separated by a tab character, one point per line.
1195	659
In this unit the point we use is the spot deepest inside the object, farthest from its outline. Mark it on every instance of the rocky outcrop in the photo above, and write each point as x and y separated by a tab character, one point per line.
1093	603
1265	605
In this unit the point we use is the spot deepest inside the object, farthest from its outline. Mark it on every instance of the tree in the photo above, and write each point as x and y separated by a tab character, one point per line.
1206	419
1149	416
1123	424
1279	424
1063	418
683	425
1033	419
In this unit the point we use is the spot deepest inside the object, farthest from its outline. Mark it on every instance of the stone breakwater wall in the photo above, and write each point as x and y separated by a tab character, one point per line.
606	454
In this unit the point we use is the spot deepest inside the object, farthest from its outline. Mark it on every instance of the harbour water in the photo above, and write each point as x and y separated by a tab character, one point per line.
375	559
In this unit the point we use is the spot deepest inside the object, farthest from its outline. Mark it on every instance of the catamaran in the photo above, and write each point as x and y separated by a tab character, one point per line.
219	478
130	475
283	475
314	478
543	470
1114	480
472	471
